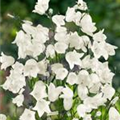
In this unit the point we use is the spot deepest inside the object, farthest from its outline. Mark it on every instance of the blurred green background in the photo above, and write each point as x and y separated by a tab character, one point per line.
106	14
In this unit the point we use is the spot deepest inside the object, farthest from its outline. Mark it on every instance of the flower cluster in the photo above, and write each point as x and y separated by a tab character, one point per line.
62	67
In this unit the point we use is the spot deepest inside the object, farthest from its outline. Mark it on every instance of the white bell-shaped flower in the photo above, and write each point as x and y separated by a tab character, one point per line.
72	78
114	114
6	61
27	115
50	51
84	78
18	100
82	110
67	93
3	117
67	102
60	47
55	66
43	67
18	67
61	34
28	28
82	92
70	14
42	106
39	91
41	6
61	73
14	82
54	92
81	5
87	26
58	20
68	98
99	36
108	91
95	102
73	58
31	68
87	117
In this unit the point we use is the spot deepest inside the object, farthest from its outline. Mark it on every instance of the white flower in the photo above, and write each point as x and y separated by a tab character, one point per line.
55	67
31	68
36	49
27	115
87	26
75	40
41	34
82	110
3	117
70	14
110	49
58	20
95	102
73	16
50	51
108	91
72	78
6	61
82	92
42	106
73	58
61	73
86	62
61	35
54	92
67	93
67	96
41	6
18	67
43	66
24	44
60	47
99	36
28	28
104	50
67	102
18	100
39	91
87	117
81	5
114	114
77	18
14	82
84	78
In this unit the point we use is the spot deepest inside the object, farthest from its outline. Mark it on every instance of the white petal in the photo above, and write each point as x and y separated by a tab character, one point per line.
39	90
6	61
68	103
61	73
28	115
18	100
60	47
42	106
72	78
114	114
3	117
58	20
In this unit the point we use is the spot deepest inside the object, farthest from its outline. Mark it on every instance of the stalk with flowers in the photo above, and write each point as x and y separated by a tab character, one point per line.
62	68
